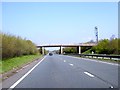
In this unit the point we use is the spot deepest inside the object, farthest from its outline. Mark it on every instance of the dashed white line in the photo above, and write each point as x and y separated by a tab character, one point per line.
111	87
64	60
87	73
16	83
71	64
94	60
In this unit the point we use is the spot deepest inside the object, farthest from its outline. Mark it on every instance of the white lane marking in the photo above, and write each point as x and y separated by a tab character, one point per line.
71	64
64	60
101	61
111	87
16	83
94	60
87	73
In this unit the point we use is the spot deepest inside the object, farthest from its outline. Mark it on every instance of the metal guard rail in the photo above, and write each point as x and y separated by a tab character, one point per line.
97	55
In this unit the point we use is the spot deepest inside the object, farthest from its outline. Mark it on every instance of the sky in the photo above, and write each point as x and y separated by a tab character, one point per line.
60	22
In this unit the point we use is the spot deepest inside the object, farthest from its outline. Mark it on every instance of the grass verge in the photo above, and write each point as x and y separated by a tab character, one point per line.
9	64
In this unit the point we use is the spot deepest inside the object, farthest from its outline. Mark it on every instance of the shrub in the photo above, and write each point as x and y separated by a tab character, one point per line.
107	47
13	46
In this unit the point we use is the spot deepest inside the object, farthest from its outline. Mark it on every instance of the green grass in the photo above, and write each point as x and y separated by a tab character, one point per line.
16	62
87	52
0	66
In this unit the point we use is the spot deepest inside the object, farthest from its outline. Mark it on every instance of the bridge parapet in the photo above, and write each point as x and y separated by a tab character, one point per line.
68	45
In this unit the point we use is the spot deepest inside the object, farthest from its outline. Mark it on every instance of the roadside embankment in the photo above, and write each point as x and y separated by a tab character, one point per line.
10	66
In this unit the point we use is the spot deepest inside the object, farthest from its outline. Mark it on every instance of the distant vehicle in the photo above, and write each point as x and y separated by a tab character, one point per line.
50	54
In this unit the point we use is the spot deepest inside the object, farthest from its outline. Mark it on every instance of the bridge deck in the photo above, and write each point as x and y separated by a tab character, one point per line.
66	45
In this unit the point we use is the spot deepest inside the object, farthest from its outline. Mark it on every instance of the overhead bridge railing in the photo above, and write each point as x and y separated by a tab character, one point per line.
103	56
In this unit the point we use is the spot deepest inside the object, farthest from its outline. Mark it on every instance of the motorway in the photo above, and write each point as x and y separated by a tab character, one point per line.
60	71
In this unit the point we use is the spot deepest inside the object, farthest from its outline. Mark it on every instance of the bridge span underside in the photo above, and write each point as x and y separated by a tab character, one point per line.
62	46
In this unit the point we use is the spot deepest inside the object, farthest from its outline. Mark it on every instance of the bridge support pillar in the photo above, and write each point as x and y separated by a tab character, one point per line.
79	49
61	50
43	51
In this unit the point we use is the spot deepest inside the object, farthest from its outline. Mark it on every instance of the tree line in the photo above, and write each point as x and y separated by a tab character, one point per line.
107	46
75	49
104	46
14	46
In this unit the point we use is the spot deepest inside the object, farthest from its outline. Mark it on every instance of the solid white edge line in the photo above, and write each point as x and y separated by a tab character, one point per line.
95	60
87	73
16	83
71	64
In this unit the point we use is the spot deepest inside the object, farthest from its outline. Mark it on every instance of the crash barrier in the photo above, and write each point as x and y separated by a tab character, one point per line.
103	56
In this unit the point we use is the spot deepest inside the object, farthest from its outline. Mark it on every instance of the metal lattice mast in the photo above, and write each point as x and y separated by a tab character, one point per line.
96	34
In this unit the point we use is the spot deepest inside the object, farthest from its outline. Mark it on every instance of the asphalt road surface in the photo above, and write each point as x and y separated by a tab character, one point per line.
60	71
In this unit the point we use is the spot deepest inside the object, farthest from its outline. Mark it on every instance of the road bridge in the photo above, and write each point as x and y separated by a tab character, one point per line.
67	45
